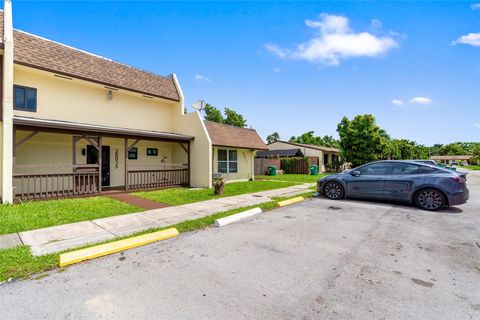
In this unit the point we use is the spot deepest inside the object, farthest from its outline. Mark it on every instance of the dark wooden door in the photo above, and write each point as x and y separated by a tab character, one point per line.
105	166
92	158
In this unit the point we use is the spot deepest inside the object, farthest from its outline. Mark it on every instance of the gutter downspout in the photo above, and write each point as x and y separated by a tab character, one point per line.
7	139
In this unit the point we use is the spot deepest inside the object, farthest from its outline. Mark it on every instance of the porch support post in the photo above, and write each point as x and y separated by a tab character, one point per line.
14	152
92	142
100	156
126	163
133	144
74	151
189	167
185	148
30	136
7	106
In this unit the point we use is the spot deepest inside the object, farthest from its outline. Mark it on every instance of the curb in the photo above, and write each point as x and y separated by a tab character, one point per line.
113	247
237	217
290	201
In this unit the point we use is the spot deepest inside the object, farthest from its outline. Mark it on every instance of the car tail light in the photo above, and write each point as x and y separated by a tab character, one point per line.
459	179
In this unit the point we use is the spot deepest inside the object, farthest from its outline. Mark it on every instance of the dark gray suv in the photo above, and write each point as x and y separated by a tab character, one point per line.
427	186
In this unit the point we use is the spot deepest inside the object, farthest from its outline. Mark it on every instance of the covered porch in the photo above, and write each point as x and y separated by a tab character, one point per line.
56	159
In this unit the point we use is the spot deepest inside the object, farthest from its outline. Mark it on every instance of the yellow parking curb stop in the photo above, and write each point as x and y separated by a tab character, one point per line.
290	201
116	246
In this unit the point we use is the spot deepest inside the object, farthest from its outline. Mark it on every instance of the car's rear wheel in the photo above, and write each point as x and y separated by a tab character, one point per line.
333	190
430	199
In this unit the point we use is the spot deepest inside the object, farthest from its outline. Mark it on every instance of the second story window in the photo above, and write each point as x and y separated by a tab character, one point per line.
24	98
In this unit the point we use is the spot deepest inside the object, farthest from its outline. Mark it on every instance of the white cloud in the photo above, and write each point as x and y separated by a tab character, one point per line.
398	102
421	100
475	6
477	125
472	39
276	70
335	41
202	78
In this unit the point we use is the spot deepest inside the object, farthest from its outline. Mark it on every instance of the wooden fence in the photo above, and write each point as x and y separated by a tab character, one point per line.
261	165
299	166
145	179
55	185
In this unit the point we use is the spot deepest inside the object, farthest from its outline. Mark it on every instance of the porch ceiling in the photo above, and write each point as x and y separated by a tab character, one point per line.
27	123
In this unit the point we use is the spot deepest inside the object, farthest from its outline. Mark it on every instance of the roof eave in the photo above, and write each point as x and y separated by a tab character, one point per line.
93	81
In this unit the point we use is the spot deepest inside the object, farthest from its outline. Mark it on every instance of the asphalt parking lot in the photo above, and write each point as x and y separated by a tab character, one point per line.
318	259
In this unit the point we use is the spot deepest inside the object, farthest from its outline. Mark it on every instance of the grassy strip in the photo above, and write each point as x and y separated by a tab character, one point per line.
18	263
181	196
472	167
300	178
42	214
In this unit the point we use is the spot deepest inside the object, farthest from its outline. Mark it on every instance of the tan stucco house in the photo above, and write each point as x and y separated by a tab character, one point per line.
74	123
448	159
326	155
233	151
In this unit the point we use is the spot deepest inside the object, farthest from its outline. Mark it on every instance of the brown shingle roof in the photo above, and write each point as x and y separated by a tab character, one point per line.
231	136
311	146
40	53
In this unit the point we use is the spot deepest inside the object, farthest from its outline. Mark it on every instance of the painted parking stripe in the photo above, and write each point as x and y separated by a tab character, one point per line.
237	217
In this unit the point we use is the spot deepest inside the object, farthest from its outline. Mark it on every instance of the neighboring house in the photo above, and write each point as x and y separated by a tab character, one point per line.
287	153
465	159
326	155
74	123
233	150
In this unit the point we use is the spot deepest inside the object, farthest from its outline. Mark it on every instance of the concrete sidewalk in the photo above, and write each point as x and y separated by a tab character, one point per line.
63	237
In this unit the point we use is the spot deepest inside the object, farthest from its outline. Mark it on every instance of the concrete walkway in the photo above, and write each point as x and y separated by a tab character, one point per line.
67	236
140	202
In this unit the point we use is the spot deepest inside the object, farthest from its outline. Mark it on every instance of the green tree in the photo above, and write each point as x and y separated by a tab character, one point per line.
361	140
213	114
234	119
454	149
330	141
476	153
308	138
273	137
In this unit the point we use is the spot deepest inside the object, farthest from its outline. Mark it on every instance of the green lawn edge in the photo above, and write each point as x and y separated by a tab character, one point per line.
18	262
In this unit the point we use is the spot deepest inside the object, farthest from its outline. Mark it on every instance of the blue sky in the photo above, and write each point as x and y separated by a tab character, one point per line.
294	67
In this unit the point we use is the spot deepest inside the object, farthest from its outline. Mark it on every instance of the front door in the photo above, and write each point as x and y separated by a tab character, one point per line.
92	158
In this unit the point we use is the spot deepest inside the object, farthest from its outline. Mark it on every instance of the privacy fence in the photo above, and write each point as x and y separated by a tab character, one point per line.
288	165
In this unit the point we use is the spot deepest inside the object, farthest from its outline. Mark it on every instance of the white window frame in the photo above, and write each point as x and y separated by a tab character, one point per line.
228	161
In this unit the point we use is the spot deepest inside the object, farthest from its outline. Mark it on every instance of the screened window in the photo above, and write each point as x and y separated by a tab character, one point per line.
227	161
24	98
133	154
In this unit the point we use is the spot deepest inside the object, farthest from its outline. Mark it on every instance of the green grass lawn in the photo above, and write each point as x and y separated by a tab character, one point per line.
18	263
472	167
41	214
300	178
181	196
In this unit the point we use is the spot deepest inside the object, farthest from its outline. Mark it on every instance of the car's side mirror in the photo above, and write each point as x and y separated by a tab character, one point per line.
356	173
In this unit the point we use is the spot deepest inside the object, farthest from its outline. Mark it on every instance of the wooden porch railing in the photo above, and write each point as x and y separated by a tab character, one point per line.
145	179
55	185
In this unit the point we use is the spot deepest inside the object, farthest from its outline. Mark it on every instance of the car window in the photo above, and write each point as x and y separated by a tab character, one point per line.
404	168
375	169
427	170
